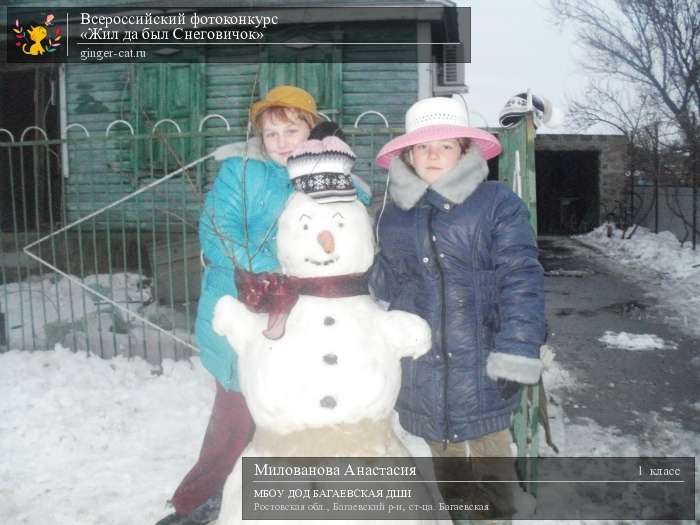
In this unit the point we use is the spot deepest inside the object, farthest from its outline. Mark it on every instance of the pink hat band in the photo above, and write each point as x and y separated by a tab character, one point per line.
438	118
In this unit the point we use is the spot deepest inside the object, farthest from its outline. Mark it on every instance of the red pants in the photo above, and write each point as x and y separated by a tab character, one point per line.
230	429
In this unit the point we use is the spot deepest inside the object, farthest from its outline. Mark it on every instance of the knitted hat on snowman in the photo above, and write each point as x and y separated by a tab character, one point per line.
320	167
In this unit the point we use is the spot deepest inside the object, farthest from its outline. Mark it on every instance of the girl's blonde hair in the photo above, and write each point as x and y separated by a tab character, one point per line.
285	115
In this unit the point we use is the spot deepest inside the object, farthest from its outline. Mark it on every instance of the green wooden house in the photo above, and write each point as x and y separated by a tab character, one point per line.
127	101
122	127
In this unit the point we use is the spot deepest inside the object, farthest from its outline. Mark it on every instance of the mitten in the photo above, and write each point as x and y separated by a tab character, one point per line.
507	389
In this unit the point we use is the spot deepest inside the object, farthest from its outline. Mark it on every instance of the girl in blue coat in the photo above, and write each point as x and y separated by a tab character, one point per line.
238	226
460	252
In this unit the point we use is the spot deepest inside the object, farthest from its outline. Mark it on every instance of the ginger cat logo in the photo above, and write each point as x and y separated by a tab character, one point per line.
36	40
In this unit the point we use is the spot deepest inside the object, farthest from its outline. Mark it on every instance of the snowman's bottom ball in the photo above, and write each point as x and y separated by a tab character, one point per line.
365	438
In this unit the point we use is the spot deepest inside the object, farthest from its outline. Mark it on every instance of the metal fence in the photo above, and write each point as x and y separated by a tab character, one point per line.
668	208
113	219
113	216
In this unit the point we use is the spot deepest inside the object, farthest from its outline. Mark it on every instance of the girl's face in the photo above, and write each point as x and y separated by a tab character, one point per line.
281	137
432	160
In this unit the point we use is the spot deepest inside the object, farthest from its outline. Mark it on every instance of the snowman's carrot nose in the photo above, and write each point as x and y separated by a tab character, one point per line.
325	239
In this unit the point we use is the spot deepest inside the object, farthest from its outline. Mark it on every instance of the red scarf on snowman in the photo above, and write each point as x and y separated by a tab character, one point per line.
276	294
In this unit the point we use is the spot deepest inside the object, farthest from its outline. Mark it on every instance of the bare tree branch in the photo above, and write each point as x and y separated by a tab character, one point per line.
651	45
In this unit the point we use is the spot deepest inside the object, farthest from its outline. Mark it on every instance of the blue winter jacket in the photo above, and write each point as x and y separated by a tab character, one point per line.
462	255
222	237
224	234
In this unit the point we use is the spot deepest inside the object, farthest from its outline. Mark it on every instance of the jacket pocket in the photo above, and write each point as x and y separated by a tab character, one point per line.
493	318
487	290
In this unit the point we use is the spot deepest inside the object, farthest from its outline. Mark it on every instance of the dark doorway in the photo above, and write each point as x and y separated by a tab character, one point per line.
567	191
30	180
493	168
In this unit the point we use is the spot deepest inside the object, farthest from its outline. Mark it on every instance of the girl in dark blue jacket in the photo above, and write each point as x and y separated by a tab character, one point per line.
460	252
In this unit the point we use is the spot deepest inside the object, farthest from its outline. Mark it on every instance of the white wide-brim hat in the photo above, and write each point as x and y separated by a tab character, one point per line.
438	118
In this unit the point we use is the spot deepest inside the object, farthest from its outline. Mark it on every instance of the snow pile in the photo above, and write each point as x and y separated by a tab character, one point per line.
628	341
46	307
662	266
47	310
586	438
660	252
91	441
556	377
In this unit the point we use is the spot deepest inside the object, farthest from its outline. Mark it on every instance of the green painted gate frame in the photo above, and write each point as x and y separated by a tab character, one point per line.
518	157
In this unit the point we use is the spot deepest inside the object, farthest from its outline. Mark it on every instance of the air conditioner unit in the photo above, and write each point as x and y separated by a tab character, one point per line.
448	75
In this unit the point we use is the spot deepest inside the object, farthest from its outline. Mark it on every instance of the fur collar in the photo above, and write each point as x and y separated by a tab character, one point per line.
456	185
253	148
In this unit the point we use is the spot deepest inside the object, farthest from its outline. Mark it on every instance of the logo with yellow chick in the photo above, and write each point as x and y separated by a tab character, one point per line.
37	39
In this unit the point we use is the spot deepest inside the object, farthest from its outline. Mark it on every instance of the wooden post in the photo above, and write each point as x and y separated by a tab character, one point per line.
516	169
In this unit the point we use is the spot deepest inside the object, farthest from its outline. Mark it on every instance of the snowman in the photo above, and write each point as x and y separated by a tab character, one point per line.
319	359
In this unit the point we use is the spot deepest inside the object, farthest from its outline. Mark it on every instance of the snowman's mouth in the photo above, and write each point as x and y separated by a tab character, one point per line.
322	263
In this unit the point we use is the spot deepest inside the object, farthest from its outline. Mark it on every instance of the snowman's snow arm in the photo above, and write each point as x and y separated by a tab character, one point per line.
408	334
235	322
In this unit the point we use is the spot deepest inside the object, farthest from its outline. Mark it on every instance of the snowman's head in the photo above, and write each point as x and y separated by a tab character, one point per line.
322	240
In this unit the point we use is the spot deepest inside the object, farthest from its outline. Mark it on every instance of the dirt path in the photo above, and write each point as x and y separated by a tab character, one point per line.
587	296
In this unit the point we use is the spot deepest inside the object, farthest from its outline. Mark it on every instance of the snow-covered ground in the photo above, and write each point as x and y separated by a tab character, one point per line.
635	341
51	309
45	308
91	441
669	272
660	252
85	440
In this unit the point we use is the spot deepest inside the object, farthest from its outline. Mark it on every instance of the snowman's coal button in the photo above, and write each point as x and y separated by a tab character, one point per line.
328	402
330	359
328	321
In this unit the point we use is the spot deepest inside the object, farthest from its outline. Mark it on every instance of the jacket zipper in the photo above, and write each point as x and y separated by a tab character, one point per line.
443	332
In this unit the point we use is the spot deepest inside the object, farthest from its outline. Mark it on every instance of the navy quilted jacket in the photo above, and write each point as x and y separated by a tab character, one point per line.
462	255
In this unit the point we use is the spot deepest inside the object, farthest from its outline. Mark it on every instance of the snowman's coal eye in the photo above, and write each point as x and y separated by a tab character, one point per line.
304	220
